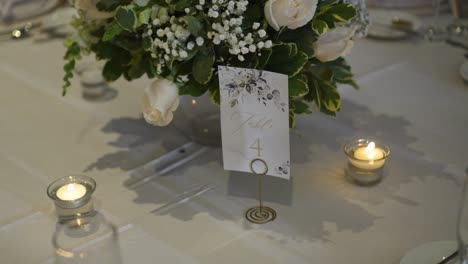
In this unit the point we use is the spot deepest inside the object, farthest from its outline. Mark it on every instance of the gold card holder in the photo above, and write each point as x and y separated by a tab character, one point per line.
260	214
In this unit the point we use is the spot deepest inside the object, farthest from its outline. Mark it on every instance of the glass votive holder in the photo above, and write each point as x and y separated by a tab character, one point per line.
366	160
72	196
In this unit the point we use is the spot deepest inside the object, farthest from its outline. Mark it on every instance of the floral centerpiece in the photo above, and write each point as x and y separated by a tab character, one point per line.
180	43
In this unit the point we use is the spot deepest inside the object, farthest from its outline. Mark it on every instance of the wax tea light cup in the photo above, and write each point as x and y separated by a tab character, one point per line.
366	160
72	196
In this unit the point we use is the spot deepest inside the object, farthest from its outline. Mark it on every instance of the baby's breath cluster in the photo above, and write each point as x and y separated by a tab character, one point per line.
169	37
171	40
228	27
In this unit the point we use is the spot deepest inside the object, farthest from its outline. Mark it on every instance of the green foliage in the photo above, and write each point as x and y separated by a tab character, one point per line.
147	43
319	26
329	13
342	12
264	58
193	88
118	59
112	70
253	14
112	31
180	5
194	26
303	37
109	5
292	118
300	107
126	18
287	59
328	96
144	16
203	65
322	80
298	87
72	54
127	44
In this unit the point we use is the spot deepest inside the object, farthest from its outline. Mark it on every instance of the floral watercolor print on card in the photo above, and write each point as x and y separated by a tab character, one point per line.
254	119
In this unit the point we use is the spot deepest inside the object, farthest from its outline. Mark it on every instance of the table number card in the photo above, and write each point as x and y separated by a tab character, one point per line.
254	119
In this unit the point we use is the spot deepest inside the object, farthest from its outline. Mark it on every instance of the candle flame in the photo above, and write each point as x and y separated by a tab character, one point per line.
370	148
370	151
70	187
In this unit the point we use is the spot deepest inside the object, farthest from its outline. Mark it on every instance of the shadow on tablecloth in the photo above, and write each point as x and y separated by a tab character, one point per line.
318	192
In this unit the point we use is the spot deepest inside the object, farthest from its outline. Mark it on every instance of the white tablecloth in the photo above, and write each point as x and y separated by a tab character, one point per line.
412	98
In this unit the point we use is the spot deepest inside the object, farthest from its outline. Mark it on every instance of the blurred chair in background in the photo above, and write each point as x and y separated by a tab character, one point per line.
18	10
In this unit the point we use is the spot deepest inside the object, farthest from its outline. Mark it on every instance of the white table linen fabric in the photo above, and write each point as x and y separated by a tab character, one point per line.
412	98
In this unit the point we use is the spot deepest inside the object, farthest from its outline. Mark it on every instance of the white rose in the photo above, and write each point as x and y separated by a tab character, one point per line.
334	44
161	98
290	13
90	9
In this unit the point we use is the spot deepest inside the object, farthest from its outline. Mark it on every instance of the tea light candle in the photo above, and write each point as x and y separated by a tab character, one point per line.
366	161
71	191
72	196
369	157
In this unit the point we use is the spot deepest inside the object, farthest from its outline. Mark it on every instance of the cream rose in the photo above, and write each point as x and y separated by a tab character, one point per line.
334	44
90	9
161	98
290	13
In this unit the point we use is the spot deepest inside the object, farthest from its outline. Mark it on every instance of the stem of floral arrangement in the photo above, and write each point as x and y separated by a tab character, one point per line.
278	34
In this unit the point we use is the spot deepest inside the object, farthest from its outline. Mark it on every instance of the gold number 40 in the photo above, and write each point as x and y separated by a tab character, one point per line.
256	146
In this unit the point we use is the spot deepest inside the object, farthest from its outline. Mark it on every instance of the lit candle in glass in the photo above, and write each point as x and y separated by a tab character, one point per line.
366	160
72	195
368	157
71	191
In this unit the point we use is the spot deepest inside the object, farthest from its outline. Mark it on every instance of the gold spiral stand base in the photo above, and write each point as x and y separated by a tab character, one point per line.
260	215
